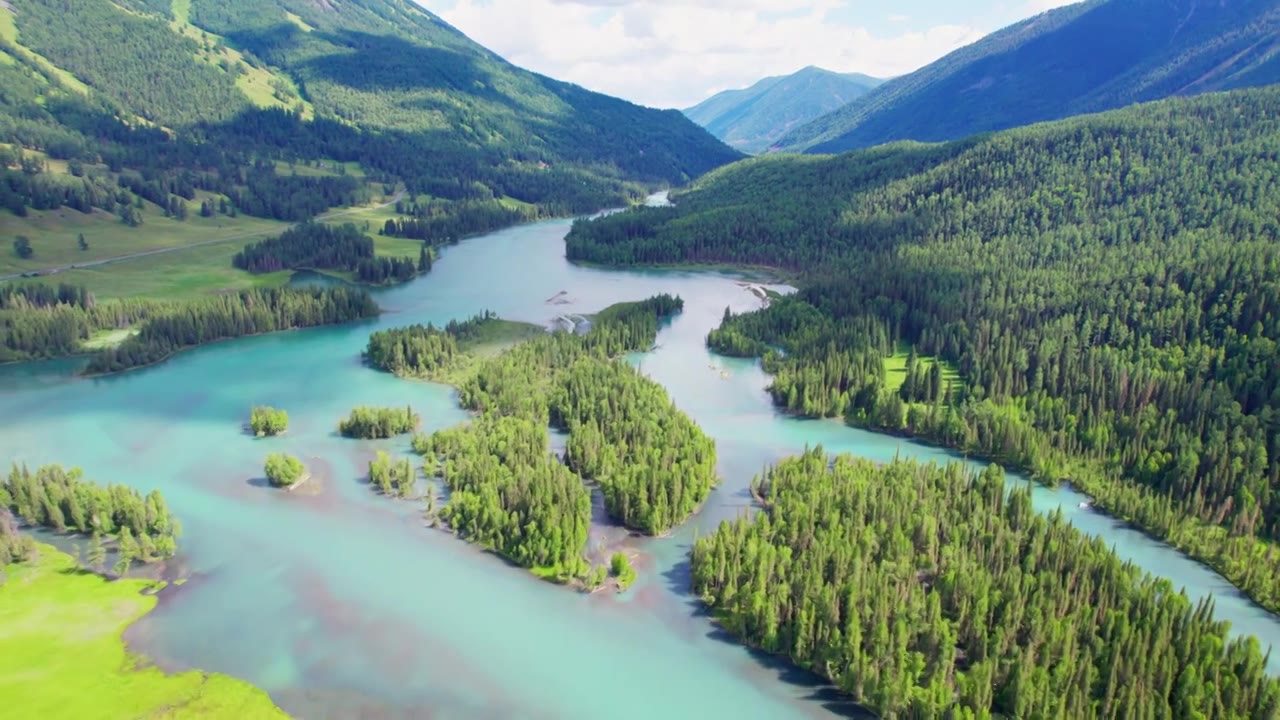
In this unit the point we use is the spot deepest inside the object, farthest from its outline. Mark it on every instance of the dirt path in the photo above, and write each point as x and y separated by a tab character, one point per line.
176	248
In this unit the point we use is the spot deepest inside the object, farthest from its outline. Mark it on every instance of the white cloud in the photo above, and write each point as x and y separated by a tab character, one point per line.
674	53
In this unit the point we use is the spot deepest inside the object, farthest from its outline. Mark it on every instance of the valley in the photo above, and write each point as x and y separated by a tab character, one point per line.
324	622
349	370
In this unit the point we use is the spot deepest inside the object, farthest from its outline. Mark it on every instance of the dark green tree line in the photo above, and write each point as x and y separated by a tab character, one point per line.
510	494
63	501
248	312
371	423
309	245
1106	287
423	351
42	321
927	592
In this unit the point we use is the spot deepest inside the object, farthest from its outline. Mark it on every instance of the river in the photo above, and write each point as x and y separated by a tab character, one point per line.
342	604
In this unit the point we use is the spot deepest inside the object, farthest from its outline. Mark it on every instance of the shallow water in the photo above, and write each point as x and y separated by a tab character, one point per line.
342	604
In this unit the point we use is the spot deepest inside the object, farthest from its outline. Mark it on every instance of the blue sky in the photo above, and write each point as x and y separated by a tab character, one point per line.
674	53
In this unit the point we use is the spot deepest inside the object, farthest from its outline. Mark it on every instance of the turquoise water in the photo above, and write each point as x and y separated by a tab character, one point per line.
342	604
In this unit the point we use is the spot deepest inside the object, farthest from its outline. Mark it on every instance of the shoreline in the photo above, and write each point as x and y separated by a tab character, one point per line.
52	602
178	351
1086	489
83	353
761	273
306	476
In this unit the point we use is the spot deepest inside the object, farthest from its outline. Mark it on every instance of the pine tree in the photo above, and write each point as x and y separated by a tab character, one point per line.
97	554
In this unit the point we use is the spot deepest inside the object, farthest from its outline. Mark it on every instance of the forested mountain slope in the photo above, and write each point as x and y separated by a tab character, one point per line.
1108	288
382	82
1082	58
751	119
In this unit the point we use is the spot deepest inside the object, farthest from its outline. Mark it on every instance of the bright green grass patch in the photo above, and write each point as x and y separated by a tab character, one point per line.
551	573
395	247
8	28
173	275
54	166
895	368
181	10
178	273
516	204
327	168
55	234
103	339
257	84
296	21
62	656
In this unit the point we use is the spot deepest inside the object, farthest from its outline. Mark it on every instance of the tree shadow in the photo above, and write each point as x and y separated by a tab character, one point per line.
679	581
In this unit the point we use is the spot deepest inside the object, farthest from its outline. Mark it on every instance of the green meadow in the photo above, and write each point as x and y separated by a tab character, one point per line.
62	655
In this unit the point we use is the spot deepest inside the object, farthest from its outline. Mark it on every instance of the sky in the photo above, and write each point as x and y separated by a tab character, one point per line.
675	53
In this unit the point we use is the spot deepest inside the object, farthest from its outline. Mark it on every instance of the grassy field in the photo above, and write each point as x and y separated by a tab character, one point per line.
62	656
54	234
171	276
8	29
176	274
108	338
328	168
896	368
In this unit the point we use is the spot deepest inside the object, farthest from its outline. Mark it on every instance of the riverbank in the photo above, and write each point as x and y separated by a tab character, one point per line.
758	273
62	654
185	348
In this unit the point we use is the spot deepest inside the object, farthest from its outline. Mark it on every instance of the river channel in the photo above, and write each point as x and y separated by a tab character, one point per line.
342	604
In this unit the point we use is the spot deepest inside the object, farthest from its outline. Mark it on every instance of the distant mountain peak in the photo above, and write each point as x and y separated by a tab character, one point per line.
1080	58
751	119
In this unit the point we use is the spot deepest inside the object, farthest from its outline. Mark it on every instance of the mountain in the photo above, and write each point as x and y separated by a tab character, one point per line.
209	90
1081	58
1083	278
751	119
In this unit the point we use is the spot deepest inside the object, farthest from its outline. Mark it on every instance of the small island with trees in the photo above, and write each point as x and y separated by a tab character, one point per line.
507	491
372	423
285	471
393	478
268	421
